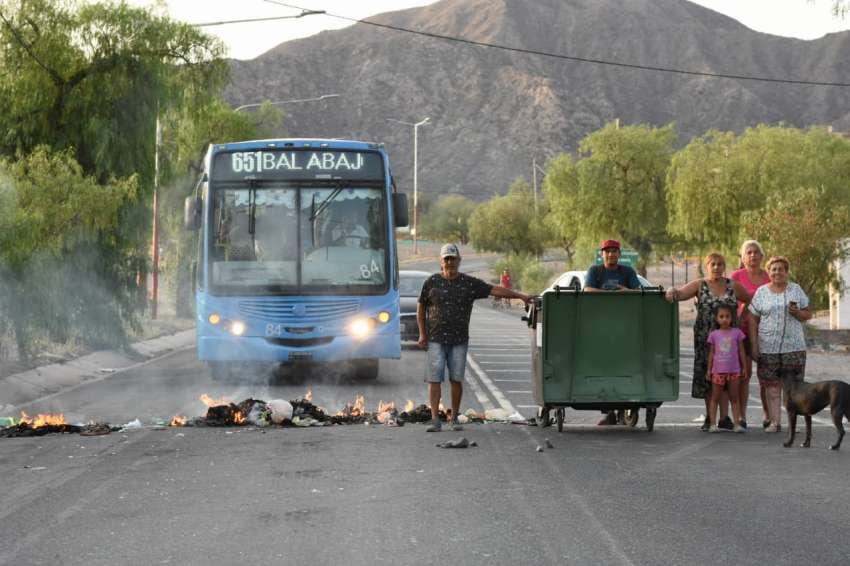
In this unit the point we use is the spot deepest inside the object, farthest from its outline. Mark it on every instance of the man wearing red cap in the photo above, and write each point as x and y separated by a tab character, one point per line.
610	276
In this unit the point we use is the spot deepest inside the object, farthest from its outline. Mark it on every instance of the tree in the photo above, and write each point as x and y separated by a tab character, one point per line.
85	83
58	258
561	190
101	74
617	188
509	224
709	186
807	227
448	219
720	177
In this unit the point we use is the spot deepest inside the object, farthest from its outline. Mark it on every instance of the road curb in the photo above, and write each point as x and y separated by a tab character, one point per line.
25	387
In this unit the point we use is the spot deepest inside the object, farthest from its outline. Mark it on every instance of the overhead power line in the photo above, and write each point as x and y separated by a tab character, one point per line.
573	58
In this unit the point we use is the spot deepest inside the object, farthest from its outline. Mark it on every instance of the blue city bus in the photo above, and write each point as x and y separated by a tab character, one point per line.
296	258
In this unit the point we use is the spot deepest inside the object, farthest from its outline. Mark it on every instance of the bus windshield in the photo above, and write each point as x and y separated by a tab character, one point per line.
269	238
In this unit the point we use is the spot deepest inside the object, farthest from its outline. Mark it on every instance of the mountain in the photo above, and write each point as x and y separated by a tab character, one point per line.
491	110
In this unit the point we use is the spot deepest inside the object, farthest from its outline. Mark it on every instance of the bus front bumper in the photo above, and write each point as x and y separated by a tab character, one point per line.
260	349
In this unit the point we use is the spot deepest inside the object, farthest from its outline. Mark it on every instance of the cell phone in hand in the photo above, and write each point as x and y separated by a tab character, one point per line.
792	304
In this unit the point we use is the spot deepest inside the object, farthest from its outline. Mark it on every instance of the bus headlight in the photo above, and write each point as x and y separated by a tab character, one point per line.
237	328
360	327
214	318
383	317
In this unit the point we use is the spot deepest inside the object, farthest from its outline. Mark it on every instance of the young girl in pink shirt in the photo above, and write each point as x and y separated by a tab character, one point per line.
726	358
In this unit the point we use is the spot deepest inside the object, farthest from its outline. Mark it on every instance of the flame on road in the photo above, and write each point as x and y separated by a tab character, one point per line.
384	413
210	402
409	406
178	420
309	395
48	419
357	409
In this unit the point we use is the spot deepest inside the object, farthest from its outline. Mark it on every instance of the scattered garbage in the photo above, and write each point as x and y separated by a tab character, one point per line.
280	410
262	414
539	448
24	429
461	442
548	443
95	429
135	424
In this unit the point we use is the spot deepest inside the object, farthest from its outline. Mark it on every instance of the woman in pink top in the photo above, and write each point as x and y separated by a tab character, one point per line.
751	276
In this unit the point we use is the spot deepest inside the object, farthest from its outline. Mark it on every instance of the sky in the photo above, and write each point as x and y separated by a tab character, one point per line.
804	19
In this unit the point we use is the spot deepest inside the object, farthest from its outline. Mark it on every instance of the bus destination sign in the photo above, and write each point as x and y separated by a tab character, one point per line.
298	164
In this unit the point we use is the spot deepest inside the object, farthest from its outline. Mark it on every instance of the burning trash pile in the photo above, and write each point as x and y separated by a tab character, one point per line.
303	413
257	413
27	426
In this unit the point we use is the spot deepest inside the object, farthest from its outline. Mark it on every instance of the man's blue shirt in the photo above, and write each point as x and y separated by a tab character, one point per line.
599	277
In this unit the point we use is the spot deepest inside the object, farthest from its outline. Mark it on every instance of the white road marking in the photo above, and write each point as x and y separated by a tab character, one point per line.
519	392
479	393
495	391
523	362
512	380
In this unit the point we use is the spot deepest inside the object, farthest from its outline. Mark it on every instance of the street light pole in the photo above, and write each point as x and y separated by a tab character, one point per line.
301	15
415	176
279	102
155	238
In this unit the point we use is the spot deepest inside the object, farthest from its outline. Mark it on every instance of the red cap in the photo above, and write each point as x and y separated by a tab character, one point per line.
609	244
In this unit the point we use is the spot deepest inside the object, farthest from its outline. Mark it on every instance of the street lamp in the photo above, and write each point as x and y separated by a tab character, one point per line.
301	15
415	172
278	102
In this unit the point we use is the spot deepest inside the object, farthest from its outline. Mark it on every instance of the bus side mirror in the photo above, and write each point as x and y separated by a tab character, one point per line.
192	213
400	210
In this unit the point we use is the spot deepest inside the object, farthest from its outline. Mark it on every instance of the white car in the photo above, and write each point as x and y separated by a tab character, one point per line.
575	279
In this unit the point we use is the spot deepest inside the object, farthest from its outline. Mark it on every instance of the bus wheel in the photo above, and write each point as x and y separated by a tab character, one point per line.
366	369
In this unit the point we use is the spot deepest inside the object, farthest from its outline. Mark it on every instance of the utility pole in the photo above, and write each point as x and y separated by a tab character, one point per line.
155	252
534	180
415	175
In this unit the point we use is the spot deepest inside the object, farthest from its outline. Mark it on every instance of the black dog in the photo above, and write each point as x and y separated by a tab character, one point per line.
809	398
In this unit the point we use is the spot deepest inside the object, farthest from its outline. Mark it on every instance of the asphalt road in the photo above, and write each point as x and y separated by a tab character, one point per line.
386	495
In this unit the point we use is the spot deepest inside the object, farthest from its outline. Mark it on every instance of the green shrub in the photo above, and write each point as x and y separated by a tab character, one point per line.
535	278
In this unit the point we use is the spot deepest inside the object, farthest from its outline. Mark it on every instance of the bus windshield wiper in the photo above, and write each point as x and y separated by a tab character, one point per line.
252	210
325	203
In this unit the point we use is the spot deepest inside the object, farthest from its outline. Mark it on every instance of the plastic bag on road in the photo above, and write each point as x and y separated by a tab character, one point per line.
135	424
281	410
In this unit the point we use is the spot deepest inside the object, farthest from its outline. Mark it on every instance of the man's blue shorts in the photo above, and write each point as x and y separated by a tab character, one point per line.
441	356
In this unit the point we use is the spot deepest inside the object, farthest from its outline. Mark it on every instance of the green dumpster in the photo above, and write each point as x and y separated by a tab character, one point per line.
604	351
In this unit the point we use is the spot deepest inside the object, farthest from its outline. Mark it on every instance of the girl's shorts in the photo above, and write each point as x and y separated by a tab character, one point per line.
724	378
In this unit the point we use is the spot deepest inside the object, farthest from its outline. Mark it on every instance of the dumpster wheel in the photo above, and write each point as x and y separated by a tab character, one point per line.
631	416
650	418
559	418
